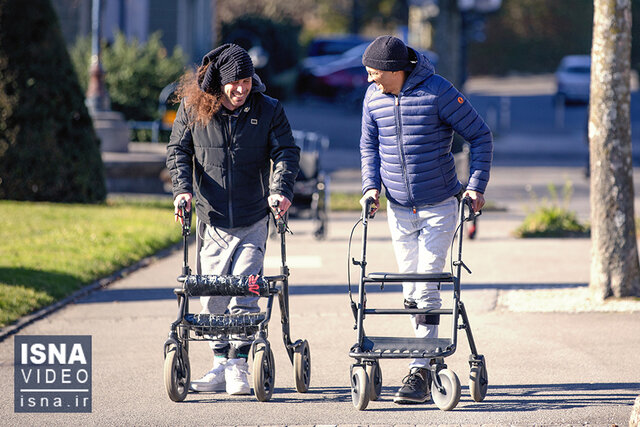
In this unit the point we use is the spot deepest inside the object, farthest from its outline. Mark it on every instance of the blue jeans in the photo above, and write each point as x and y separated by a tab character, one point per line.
421	241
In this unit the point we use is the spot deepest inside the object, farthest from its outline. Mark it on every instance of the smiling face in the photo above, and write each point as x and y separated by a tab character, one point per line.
235	93
387	81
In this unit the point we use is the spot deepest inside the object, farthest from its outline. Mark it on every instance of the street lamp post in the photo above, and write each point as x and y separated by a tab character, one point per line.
97	97
110	126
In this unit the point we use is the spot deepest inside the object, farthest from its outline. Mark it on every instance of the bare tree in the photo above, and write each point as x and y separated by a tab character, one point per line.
615	270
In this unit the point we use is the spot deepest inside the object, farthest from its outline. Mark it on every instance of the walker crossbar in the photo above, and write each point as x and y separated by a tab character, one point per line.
229	285
409	277
225	320
405	311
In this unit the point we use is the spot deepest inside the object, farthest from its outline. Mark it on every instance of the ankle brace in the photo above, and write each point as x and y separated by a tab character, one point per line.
240	352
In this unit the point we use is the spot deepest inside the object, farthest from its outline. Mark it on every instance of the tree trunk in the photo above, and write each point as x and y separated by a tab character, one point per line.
615	270
447	41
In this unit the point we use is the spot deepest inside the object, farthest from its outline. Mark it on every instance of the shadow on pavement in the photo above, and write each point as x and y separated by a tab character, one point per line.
280	395
500	398
519	398
155	294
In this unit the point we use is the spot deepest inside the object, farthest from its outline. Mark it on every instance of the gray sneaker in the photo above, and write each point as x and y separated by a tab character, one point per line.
415	389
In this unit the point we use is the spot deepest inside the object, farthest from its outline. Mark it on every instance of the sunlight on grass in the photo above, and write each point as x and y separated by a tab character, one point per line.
49	250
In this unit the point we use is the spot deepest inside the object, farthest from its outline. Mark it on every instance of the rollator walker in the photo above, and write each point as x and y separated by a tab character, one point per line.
251	328
366	374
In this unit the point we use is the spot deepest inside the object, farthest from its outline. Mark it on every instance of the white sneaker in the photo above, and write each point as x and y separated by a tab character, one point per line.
214	380
236	373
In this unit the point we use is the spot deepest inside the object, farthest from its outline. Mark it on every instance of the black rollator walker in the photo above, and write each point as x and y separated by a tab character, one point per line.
366	374
225	327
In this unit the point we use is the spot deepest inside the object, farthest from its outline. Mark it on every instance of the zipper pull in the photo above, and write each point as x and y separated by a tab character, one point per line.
414	209
397	100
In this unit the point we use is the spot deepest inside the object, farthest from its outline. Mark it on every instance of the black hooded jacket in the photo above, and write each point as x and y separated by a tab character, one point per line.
226	164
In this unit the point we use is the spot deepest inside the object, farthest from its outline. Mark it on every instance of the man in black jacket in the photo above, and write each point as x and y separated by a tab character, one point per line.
224	138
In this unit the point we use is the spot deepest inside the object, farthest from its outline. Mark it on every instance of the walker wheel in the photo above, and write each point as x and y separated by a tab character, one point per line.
264	373
302	366
448	398
374	373
478	380
359	388
177	375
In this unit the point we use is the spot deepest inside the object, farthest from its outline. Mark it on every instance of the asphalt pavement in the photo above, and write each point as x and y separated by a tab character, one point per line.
554	355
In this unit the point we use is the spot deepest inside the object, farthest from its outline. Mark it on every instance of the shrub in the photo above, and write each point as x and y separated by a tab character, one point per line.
135	73
48	148
552	218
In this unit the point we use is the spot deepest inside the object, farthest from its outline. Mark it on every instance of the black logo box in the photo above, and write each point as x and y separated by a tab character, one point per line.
52	373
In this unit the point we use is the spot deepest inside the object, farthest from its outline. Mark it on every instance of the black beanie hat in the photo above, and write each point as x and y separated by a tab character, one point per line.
227	63
386	53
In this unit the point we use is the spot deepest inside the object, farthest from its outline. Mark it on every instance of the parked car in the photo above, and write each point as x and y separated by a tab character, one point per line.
322	50
573	79
345	77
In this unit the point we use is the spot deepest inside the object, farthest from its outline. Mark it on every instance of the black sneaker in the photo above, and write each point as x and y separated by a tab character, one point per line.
416	387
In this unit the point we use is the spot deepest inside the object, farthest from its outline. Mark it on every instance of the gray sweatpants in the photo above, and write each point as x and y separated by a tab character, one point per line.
237	251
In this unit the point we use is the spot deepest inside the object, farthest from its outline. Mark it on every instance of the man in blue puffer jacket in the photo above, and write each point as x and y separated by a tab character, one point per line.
408	118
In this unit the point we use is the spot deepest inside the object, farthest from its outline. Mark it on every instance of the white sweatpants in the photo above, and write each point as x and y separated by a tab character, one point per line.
421	241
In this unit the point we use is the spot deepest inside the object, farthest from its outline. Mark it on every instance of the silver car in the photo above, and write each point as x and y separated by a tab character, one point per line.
572	79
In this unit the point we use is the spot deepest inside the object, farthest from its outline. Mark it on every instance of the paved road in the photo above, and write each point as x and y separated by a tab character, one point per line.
575	365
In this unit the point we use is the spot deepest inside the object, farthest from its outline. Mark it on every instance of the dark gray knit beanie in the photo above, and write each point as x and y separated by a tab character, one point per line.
386	53
227	63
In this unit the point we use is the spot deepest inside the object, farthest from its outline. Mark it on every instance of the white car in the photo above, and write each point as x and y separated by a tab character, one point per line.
573	78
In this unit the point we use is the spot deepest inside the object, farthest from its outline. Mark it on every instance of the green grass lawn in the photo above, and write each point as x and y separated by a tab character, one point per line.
49	250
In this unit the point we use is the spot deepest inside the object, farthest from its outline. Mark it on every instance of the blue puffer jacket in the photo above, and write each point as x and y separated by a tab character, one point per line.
406	139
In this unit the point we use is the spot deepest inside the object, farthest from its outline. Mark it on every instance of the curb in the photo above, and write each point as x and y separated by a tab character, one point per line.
9	330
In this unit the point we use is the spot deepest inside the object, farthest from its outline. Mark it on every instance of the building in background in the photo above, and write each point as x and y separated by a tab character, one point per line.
189	24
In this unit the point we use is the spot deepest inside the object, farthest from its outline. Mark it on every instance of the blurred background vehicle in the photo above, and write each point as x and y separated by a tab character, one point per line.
572	79
323	50
344	77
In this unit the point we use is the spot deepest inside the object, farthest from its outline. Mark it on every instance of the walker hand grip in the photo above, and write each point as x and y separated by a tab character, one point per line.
186	217
281	224
468	202
367	210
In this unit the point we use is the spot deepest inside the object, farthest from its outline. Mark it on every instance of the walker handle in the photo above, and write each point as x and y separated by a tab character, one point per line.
281	225
367	210
472	215
186	217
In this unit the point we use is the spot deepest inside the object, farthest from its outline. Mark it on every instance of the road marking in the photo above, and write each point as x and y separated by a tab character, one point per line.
295	261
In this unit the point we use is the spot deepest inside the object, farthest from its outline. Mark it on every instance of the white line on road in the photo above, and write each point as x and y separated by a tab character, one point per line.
295	261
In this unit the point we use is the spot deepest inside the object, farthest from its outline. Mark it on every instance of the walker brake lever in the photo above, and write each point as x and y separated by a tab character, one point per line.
472	214
369	208
280	222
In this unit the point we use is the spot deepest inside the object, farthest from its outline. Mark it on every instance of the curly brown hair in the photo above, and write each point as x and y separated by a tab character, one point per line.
200	104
